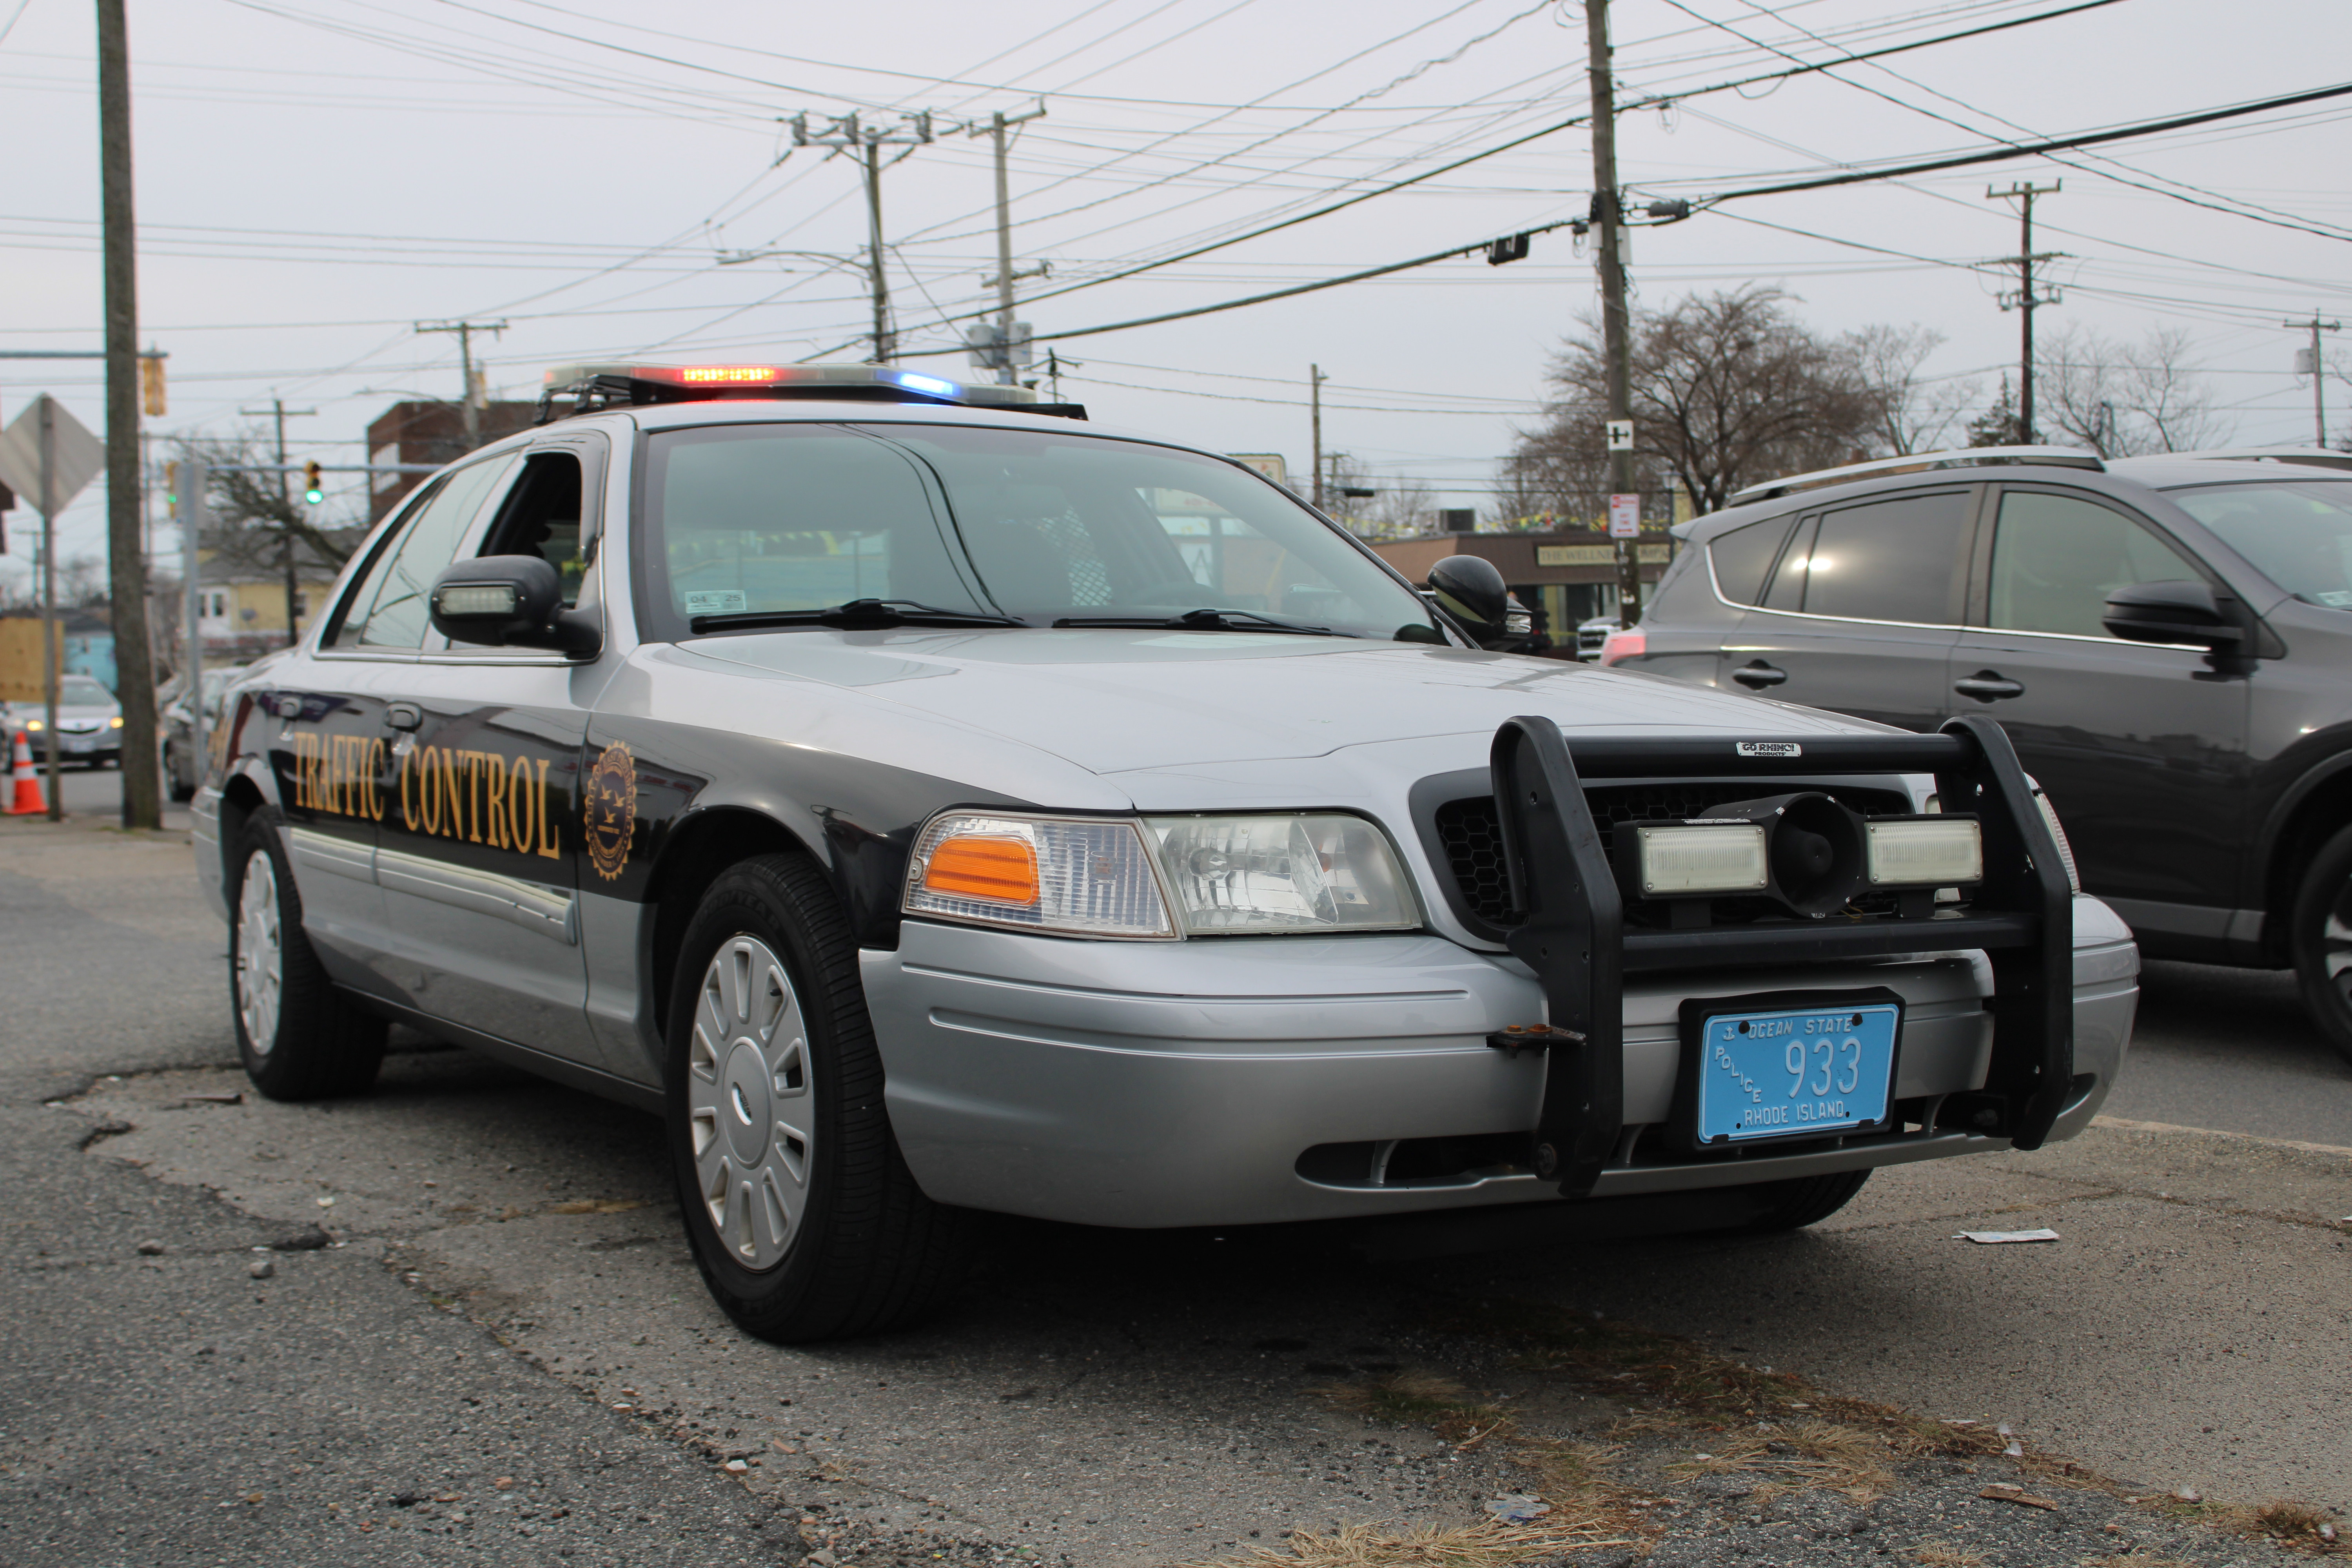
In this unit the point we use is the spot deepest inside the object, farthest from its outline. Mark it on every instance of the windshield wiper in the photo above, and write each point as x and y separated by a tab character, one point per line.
1203	620
858	615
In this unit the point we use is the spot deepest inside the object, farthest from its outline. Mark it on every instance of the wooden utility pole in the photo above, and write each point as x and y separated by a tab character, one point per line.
2319	368
1616	324
280	413
2026	298
470	407
134	674
999	126
1314	380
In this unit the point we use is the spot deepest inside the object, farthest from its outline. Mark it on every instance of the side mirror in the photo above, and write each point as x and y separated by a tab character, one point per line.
2176	611
1469	589
510	601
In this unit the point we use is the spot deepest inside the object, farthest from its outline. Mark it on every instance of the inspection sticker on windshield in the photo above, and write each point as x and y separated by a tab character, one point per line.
1819	1069
716	602
1768	748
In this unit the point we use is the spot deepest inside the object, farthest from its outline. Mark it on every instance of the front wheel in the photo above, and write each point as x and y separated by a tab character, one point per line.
804	1220
2319	937
300	1038
1799	1202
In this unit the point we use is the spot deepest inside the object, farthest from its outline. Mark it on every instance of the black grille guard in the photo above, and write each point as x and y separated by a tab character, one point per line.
1575	938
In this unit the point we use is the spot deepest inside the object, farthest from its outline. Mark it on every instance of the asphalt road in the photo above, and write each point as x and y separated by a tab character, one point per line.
512	1300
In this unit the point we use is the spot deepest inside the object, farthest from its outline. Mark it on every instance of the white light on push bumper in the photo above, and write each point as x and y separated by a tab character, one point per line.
1938	853
1297	874
1709	857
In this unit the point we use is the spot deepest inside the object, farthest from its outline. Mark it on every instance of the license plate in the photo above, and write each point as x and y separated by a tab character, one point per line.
80	742
1794	1071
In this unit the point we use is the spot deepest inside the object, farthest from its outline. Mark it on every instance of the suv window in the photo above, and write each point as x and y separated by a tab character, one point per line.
2299	535
388	609
1899	559
2055	559
1742	556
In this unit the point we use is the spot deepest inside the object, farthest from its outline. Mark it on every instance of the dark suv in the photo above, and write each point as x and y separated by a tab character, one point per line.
2168	641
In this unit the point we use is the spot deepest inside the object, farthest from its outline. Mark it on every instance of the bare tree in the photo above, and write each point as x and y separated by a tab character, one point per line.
253	518
1728	389
1908	412
2124	399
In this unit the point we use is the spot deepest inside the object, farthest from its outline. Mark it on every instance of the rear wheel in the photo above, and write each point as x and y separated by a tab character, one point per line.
2320	939
804	1220
178	778
300	1038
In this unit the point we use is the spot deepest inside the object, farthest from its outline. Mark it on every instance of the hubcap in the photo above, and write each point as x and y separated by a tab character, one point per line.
2335	948
750	1109
260	955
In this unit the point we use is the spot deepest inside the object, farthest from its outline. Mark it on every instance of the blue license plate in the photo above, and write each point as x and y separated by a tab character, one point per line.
1795	1072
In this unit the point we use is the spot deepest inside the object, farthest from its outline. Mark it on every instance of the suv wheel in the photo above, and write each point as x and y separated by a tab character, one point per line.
1801	1201
804	1220
300	1038
2320	939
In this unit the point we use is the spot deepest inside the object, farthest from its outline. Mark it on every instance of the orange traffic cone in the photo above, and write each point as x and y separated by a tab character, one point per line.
25	796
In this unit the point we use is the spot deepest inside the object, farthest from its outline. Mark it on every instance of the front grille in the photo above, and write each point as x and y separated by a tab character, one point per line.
1470	828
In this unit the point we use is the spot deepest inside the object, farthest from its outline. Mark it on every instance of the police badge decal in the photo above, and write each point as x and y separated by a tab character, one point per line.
609	810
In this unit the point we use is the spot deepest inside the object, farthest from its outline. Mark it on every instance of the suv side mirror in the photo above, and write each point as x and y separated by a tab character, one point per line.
510	601
1469	589
2179	611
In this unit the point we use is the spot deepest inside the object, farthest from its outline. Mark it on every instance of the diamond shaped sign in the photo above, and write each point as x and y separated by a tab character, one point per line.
76	455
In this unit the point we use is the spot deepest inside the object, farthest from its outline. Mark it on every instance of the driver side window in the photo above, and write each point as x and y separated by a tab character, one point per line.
2056	558
388	609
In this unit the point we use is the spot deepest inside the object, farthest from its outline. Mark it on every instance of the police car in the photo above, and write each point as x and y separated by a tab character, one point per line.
928	802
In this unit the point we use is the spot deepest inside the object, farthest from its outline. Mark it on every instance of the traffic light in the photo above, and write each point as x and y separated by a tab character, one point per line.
171	488
150	384
314	484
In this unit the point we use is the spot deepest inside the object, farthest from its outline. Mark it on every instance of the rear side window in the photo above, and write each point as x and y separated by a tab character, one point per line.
1742	556
388	610
2056	558
1901	559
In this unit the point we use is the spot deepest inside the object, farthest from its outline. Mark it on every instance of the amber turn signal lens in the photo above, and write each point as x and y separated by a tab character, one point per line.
976	866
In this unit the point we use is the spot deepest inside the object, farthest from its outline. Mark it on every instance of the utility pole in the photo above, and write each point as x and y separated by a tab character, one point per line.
280	413
998	125
2026	299
1314	380
134	673
470	408
2318	371
49	610
846	134
1616	323
192	529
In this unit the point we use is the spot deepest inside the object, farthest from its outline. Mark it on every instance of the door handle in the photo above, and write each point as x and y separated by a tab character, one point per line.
404	716
1987	686
1756	675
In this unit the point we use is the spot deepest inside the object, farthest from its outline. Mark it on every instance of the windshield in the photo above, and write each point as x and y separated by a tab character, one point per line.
81	692
2298	533
1046	525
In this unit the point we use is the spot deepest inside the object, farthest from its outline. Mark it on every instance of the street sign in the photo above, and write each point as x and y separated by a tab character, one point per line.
1624	517
1270	464
76	455
1620	435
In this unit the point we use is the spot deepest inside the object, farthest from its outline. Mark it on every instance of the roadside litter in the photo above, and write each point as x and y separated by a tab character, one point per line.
1517	1507
2001	1237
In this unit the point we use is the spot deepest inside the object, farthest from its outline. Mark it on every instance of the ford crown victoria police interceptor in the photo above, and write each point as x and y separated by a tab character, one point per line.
928	803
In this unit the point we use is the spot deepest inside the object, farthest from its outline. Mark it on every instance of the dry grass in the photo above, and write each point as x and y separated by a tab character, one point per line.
1485	1545
2283	1519
1422	1399
1944	1554
1807	1456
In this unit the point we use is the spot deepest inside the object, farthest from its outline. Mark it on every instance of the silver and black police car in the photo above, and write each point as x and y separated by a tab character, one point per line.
928	802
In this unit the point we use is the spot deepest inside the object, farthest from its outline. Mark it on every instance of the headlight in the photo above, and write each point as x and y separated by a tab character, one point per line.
1282	873
115	723
1076	876
33	724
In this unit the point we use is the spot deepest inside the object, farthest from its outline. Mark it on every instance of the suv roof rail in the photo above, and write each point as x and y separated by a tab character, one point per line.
2312	457
1919	462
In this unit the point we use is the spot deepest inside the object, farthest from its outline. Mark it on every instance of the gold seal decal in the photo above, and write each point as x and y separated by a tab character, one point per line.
609	810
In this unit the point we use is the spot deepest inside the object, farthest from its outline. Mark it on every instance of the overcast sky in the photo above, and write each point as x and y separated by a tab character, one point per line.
316	177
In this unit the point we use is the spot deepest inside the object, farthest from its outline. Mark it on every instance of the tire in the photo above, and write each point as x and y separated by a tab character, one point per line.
1801	1201
300	1038
180	793
803	1218
2319	938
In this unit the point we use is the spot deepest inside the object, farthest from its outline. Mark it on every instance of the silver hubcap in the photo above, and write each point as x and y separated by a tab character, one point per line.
748	1106
260	953
2336	949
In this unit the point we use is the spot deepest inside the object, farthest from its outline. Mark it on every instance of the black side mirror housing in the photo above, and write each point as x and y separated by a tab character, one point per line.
2182	610
510	601
1469	589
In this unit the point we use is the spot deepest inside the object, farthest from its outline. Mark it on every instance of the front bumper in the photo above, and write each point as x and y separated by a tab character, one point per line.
1182	1083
